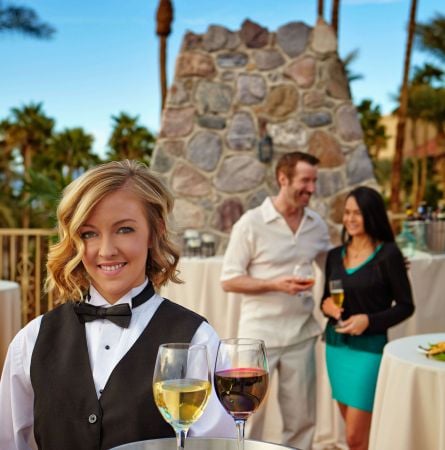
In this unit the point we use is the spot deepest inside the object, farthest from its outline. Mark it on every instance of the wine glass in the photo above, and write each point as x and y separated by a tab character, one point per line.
305	274
338	295
241	379
181	385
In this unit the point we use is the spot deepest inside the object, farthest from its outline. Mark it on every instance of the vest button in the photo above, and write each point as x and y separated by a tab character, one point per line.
92	418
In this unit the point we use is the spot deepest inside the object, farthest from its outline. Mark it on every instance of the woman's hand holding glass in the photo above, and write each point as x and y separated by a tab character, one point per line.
181	385
333	305
241	379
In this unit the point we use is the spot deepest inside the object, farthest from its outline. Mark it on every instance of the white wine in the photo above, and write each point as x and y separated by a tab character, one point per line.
338	296
181	402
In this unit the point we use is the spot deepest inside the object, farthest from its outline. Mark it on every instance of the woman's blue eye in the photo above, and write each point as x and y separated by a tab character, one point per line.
125	230
87	234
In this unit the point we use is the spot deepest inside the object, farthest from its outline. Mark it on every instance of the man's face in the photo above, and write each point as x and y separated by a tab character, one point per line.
298	190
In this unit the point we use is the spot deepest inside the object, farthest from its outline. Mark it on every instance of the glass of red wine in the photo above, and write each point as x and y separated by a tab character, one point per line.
241	379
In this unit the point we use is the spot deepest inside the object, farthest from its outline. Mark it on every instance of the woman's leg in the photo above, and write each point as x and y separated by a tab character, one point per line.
358	425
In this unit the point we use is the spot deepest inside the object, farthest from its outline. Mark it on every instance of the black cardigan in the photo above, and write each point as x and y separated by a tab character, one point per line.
380	288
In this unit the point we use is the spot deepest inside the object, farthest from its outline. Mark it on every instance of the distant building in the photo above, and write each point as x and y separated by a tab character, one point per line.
426	137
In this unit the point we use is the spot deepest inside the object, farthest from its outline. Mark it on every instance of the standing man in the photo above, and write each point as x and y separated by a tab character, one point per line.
265	245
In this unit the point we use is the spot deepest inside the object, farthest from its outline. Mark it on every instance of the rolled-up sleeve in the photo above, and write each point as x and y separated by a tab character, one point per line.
239	251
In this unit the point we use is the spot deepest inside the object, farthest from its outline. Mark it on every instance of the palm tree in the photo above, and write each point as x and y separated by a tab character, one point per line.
23	20
431	36
71	151
129	140
320	9
402	114
8	209
29	131
164	18
351	57
423	105
375	136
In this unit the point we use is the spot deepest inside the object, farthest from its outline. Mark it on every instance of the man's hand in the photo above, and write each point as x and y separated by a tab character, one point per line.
331	309
292	285
355	325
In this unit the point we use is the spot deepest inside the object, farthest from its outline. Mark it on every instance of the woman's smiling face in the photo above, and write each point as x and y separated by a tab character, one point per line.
353	218
117	238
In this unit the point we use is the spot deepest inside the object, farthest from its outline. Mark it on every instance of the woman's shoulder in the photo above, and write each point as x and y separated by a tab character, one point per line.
336	251
390	251
390	248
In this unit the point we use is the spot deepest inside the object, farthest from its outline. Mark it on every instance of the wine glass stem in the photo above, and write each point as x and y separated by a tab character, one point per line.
180	439
240	425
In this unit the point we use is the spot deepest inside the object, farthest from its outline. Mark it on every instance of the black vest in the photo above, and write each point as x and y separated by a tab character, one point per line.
67	413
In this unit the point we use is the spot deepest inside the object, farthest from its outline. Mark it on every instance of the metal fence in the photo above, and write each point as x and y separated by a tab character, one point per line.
22	259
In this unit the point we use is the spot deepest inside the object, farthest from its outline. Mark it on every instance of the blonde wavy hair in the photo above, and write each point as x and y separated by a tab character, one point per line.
67	278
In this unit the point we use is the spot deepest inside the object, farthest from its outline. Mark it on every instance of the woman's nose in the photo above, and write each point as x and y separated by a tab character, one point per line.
107	247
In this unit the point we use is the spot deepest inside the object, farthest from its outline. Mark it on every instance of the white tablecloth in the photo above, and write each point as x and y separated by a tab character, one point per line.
9	315
202	293
427	275
409	409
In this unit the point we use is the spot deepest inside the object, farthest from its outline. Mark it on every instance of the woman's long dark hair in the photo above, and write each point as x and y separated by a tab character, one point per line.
374	214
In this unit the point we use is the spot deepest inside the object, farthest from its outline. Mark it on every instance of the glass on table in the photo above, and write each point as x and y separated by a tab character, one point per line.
338	296
241	379
181	385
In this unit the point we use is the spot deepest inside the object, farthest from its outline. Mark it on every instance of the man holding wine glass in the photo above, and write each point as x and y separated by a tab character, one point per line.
265	245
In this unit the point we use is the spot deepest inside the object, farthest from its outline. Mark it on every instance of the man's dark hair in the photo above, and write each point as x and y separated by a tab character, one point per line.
286	163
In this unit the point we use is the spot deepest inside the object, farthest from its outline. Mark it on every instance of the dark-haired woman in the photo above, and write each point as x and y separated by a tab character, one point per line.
377	296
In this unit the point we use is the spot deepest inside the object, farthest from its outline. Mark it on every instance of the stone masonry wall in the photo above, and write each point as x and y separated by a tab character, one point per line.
227	84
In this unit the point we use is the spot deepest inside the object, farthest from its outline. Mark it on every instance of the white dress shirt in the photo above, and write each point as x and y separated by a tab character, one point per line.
263	246
107	344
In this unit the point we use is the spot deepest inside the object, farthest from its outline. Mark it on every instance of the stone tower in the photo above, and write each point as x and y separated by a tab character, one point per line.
230	90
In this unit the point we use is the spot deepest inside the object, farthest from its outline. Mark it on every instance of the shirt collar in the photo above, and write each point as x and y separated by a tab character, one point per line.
97	300
270	213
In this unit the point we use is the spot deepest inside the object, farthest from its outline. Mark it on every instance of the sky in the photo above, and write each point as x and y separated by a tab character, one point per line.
103	59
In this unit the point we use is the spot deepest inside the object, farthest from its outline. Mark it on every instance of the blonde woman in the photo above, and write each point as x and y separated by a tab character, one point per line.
79	377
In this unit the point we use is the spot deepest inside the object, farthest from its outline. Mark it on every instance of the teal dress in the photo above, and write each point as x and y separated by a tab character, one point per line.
353	361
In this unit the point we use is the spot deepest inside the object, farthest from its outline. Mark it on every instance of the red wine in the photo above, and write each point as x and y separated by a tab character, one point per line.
241	391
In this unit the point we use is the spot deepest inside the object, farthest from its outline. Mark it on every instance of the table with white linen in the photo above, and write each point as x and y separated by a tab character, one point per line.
409	408
427	275
9	315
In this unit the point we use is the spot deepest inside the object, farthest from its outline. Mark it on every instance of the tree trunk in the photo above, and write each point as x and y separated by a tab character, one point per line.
163	68
27	159
415	187
423	165
320	9
402	113
164	18
334	16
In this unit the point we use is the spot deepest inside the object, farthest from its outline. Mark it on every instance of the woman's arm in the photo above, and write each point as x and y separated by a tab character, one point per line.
16	394
395	275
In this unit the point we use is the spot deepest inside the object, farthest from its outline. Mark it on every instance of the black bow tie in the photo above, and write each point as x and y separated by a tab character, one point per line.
118	314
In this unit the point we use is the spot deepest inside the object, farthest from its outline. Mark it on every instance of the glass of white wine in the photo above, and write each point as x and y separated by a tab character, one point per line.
181	385
338	295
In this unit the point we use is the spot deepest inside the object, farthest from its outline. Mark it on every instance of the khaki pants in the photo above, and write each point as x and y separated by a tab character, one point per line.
296	394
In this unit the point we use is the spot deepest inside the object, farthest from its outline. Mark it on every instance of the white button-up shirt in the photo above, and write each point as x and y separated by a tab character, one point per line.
107	344
263	246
